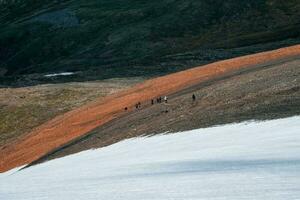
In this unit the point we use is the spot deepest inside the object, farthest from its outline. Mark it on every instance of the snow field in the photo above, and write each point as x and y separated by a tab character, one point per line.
252	160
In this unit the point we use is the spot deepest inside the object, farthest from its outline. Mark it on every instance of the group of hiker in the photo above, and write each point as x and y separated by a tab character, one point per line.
158	100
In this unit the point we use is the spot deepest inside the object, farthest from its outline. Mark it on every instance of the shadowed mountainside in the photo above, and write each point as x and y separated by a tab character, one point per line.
119	38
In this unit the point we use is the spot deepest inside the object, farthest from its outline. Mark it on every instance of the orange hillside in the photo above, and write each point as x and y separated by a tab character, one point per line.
71	125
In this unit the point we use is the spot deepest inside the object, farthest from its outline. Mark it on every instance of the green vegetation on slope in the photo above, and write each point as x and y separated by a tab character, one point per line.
113	38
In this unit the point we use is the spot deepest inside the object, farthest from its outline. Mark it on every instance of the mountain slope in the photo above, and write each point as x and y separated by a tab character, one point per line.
235	161
132	38
72	126
267	91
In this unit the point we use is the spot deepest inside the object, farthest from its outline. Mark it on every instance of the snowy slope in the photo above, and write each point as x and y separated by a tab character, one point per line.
254	160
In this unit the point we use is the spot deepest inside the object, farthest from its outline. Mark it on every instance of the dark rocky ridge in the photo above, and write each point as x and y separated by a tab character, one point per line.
119	38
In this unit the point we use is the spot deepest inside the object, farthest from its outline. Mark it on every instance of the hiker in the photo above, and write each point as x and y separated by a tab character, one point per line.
152	101
194	97
159	99
166	99
137	106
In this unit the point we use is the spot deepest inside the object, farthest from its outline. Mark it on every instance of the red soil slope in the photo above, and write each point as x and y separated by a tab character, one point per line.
71	125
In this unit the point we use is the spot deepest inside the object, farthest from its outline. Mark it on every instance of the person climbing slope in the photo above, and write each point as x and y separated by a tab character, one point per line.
194	97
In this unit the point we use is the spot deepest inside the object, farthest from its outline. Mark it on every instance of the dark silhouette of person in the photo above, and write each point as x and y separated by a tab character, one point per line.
152	101
125	108
137	106
194	97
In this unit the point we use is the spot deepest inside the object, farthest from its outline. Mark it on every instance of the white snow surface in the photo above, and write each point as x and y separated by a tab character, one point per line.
60	74
252	160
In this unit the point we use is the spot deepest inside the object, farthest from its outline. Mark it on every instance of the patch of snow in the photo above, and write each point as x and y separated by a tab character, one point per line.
59	74
253	160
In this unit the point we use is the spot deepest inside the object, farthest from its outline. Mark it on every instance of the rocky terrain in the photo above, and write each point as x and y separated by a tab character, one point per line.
68	70
259	86
268	92
24	108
